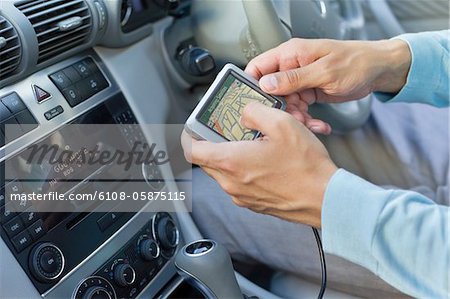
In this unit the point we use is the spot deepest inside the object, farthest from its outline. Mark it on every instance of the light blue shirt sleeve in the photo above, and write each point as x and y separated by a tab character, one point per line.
428	79
401	236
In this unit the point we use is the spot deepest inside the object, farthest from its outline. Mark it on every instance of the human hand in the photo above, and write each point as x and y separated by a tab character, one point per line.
284	174
329	71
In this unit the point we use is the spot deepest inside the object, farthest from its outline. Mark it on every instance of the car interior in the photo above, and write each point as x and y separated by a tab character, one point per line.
135	64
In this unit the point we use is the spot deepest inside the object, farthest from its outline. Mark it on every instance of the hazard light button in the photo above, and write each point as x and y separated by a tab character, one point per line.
40	94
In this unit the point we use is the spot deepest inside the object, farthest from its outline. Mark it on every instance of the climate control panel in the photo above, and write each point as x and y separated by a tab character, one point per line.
132	268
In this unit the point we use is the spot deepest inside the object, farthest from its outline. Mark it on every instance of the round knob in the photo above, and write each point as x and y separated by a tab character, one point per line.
124	275
167	233
94	287
46	262
97	293
197	61
149	249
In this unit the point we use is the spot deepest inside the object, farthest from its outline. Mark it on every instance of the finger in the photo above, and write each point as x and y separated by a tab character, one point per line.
295	80
257	116
266	63
202	153
318	126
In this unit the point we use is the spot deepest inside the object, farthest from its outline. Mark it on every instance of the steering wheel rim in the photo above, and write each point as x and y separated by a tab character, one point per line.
321	21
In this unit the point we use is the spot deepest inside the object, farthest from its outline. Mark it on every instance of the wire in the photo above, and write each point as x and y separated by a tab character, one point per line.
323	265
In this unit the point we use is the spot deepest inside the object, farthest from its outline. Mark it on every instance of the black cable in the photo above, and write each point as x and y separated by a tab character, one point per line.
323	265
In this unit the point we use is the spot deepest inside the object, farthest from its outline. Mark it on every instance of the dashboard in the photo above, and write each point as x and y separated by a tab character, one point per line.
58	67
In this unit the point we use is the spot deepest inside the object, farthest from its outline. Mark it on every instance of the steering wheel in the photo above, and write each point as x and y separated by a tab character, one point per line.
237	31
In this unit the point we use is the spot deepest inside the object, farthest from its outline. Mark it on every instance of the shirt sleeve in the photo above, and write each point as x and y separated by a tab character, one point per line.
401	236
428	79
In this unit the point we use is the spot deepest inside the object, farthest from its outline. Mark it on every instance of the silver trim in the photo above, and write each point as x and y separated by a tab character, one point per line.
146	237
2	42
69	24
63	260
132	270
33	88
214	244
177	241
90	277
128	13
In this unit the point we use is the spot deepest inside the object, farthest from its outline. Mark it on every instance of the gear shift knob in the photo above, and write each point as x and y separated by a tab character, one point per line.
207	265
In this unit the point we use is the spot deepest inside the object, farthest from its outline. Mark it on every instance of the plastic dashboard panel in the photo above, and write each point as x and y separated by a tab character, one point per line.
111	35
22	288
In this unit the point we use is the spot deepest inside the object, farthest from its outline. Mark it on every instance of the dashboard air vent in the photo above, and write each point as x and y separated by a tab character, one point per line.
59	24
10	49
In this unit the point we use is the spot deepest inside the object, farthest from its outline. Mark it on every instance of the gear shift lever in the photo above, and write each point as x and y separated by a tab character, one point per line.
207	265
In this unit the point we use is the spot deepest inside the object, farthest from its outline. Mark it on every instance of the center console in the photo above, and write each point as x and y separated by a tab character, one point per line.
81	253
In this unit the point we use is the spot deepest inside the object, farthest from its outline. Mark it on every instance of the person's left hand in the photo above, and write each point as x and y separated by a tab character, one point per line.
284	174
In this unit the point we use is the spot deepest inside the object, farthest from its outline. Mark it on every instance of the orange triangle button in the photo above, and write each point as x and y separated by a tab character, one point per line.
40	94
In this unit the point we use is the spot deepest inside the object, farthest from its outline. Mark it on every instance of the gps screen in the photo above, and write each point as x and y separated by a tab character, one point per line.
223	112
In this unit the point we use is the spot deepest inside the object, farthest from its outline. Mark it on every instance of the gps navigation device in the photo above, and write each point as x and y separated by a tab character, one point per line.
217	117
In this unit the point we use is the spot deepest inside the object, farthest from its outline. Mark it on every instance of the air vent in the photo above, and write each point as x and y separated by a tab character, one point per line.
10	50
59	24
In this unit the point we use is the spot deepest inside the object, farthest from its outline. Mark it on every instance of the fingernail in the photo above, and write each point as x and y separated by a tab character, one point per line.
241	121
316	129
269	83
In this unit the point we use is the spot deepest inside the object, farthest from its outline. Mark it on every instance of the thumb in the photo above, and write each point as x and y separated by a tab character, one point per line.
287	82
264	119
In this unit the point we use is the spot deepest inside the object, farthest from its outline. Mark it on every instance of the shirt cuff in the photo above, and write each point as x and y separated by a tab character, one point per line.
422	76
350	212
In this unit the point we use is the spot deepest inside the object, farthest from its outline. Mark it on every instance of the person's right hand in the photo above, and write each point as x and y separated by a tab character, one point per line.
307	71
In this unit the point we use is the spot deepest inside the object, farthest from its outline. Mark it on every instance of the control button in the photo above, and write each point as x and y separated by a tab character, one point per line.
90	86
12	129
40	94
29	217
46	262
148	249
26	121
107	220
82	69
91	65
16	187
101	81
13	188
37	230
124	275
4	112
53	112
72	96
60	79
165	232
25	117
13	227
21	241
7	212
94	287
72	74
197	61
13	102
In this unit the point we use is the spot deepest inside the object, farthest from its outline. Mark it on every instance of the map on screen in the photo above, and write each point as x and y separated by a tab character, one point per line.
225	110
